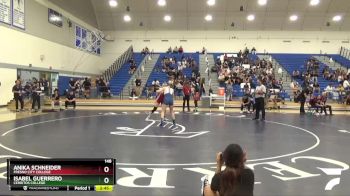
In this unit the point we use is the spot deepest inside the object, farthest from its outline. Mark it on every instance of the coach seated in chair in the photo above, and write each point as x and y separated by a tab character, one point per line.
315	103
323	99
235	179
70	100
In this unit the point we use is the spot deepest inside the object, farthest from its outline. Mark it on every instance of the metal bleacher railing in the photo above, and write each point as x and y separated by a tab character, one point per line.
137	74
108	74
344	52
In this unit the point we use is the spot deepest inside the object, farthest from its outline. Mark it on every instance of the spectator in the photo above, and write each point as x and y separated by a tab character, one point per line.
87	88
169	50
229	90
18	94
36	97
210	91
155	84
186	96
55	100
296	74
316	87
341	92
253	50
132	68
235	179
346	84
294	86
181	50
133	93
138	81
347	100
204	50
72	84
70	100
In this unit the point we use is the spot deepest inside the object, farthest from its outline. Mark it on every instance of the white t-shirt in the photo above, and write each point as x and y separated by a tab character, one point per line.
280	70
346	84
260	88
328	88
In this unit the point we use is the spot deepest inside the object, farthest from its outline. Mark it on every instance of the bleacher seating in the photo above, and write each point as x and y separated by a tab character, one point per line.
293	62
119	80
63	83
163	77
237	91
341	60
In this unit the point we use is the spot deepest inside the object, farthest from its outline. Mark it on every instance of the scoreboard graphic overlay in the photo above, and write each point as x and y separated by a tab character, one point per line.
61	174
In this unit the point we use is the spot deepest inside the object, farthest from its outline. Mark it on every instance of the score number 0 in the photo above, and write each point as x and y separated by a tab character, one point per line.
106	170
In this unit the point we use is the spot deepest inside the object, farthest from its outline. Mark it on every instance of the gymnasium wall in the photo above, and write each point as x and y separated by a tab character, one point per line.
40	38
7	80
231	41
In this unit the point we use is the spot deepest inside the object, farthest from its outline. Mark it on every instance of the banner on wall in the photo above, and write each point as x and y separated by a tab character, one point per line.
18	13
5	11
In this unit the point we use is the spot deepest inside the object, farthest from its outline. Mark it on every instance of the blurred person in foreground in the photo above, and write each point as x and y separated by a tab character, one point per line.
235	179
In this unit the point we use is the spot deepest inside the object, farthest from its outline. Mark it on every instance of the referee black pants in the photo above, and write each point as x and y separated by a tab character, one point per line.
260	106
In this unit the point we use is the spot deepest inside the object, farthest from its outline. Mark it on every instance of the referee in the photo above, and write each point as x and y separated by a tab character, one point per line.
260	93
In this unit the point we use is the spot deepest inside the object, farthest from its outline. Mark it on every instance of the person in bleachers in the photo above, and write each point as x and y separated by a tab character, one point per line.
204	50
346	84
296	74
235	179
253	50
294	86
155	84
347	101
138	82
341	93
143	52
133	93
72	84
132	68
181	50
87	88
55	100
316	87
17	91
229	90
70	100
326	72
280	83
239	54
169	51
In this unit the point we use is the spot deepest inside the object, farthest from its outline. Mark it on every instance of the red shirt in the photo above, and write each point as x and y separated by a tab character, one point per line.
186	89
